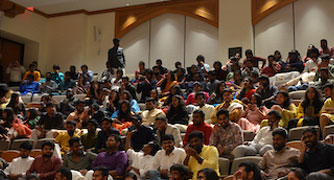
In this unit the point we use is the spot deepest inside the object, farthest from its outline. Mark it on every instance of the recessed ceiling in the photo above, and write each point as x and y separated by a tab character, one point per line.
60	6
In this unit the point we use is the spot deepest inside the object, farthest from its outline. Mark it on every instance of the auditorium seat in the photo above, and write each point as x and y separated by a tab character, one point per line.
17	142
237	161
224	166
328	130
248	135
4	145
297	94
297	133
295	144
9	155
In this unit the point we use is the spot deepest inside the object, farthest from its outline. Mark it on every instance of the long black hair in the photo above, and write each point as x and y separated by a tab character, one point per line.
287	102
170	95
33	113
243	91
10	117
258	99
124	115
317	102
164	83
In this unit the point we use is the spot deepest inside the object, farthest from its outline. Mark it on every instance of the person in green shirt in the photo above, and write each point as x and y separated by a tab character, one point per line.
89	139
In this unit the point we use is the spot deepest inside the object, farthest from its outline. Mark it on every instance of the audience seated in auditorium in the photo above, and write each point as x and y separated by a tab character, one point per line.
17	105
73	73
325	49
87	74
107	74
219	71
77	159
20	165
217	96
263	141
68	83
116	81
67	106
167	82
201	105
114	159
79	115
191	99
248	171
278	58
29	85
140	72
254	59
211	85
151	112
315	155
174	90
89	139
287	109
276	163
126	86
164	128
63	137
267	92
57	76
82	85
140	134
177	113
249	69
272	68
48	86
32	118
45	165
122	117
248	89
226	135
32	71
15	72
113	102
145	85
162	69
95	93
102	136
156	73
200	156
202	67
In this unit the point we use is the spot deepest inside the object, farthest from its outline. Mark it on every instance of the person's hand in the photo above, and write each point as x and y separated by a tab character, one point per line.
191	151
83	172
237	175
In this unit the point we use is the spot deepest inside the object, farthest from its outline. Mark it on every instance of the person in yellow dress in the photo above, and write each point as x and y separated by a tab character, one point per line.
327	112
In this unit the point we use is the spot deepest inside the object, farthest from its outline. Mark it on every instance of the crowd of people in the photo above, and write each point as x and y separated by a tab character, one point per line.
192	116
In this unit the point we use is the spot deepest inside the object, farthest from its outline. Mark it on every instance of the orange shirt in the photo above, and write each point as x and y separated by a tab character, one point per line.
37	75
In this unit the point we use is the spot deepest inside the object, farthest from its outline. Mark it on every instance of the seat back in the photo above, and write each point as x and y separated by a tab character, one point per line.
35	152
295	144
248	135
9	155
4	145
224	166
328	130
17	142
237	161
41	141
297	133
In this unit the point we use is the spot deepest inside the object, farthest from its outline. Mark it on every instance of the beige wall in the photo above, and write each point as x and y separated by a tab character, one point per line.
235	26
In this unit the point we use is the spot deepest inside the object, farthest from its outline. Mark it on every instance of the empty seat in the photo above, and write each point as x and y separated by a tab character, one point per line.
224	166
9	155
297	133
4	145
328	130
35	152
41	141
297	94
248	135
295	144
237	161
17	142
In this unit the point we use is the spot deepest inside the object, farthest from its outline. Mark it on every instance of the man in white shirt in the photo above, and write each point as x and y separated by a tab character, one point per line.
201	105
18	167
151	112
164	128
166	158
263	140
15	71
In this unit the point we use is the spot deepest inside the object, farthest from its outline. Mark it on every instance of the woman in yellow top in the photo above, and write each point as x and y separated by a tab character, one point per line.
308	111
167	82
327	111
287	109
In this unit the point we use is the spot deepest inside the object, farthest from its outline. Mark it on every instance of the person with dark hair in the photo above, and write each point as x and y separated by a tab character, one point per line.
116	56
45	165
16	104
19	166
130	176
325	49
203	68
32	176
212	83
9	117
263	140
116	81
198	87
319	176
219	71
296	174
15	72
51	119
140	72
287	109
102	136
32	118
248	171
272	68
201	105
151	112
67	105
180	75
145	85
77	159
267	92
57	75
164	128
89	139
288	157
114	159
174	90
327	90
140	134
247	90
166	158
254	59
80	115
107	74
63	174
162	69
198	125
207	174
226	135
63	138
29	86
31	71
294	62
179	172
86	73
327	112
126	86
142	161
278	57
100	173
122	117
216	98
48	86
74	75
200	156
315	155
83	86
177	113
249	69
167	82
68	83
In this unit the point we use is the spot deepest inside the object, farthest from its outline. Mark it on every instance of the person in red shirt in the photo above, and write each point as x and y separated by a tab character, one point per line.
199	125
255	60
272	68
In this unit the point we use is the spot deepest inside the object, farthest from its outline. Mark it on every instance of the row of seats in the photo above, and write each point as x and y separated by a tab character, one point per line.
15	144
9	155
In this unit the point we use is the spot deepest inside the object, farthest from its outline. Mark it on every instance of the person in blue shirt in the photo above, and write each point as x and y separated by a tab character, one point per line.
29	86
57	76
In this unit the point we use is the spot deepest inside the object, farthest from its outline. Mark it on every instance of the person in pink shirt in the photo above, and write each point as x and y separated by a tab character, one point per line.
272	68
191	99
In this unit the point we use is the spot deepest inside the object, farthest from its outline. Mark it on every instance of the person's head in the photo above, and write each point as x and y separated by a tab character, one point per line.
280	138
293	56
73	69
328	89
70	127
200	59
217	65
32	176
55	67
125	107
47	149
106	124
264	81
50	108
319	176
69	94
125	80
130	176
323	43
273	118
84	68
154	94
179	172
207	174
249	53
136	120
148	73
248	82
227	95
277	55
296	174
161	123
158	62
30	78
14	98
248	63
63	174
113	142
100	173
256	99
141	65
150	103
175	90
314	53
126	95
167	142
34	63
324	74
25	149
197	86
3	89
198	117
31	67
193	69
283	99
151	148
32	113
196	140
116	42
67	76
80	105
156	70
311	137
75	145
237	76
235	66
92	125
200	98
271	59
48	76
177	101
223	118
248	171
178	65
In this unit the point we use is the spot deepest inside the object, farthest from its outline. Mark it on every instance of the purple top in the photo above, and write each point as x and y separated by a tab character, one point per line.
116	161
